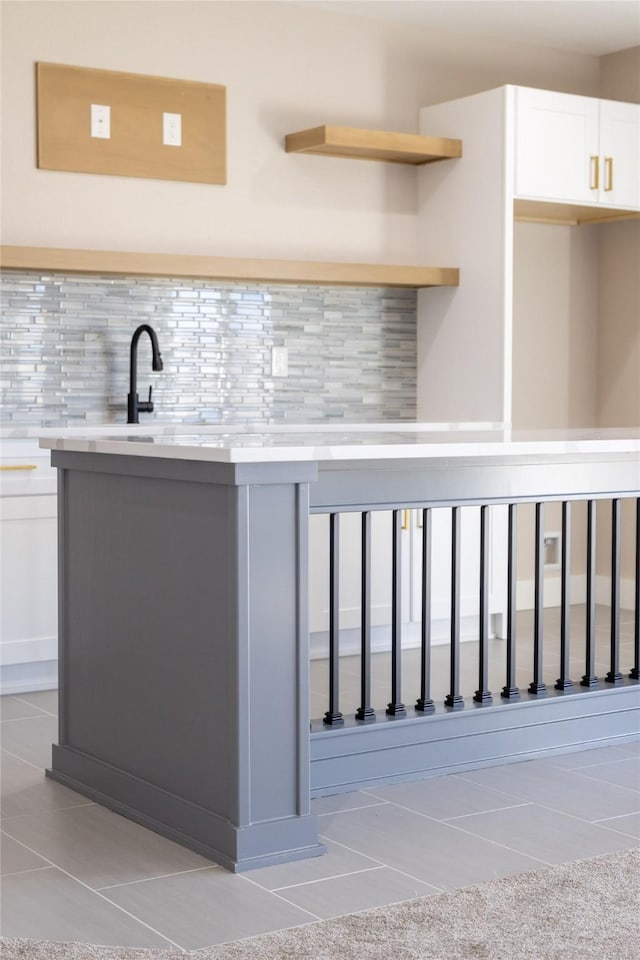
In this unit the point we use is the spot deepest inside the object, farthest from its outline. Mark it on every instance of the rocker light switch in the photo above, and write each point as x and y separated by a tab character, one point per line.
101	121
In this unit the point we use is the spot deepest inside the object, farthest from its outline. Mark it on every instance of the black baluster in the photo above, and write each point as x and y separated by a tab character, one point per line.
510	691
424	703
590	679
564	681
537	685
635	670
453	698
483	694
396	708
365	711
333	717
614	676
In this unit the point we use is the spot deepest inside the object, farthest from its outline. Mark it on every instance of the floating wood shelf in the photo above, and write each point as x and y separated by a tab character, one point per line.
225	268
569	214
373	145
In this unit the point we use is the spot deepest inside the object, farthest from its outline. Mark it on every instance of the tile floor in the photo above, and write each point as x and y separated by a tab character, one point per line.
73	870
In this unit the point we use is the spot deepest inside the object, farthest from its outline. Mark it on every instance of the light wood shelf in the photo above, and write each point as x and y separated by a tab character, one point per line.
63	259
569	214
361	144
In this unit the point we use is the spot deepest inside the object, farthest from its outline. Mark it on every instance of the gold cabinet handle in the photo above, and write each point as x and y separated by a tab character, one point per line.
608	174
595	173
405	520
20	466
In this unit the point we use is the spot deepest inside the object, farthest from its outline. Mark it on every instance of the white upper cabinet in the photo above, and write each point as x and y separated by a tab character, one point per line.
579	150
620	153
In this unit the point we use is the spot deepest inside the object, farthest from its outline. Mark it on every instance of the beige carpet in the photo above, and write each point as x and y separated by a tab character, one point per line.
588	910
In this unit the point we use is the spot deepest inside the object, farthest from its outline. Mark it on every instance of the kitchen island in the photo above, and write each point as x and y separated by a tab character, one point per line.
183	607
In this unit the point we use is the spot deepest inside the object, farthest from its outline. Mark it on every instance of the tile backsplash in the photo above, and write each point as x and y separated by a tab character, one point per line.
65	350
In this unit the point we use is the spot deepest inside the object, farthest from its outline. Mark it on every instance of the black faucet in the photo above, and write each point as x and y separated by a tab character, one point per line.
135	406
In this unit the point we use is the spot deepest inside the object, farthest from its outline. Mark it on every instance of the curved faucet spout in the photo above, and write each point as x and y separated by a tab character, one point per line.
135	406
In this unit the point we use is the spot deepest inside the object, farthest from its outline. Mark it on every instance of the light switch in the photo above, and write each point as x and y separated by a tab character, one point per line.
101	121
279	362
172	129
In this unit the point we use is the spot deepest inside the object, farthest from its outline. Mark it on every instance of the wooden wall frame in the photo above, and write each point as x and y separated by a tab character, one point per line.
135	147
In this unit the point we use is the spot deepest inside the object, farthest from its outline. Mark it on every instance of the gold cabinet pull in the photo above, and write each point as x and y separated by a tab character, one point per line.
20	466
608	174
595	173
405	520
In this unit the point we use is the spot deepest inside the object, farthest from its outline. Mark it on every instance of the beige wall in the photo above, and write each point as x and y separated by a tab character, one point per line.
555	325
286	67
618	356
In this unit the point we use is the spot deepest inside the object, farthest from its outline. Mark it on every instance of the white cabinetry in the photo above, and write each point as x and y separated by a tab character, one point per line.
28	571
578	150
534	166
411	561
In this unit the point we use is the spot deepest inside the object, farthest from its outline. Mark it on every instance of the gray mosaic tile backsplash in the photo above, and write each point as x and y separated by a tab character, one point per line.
65	350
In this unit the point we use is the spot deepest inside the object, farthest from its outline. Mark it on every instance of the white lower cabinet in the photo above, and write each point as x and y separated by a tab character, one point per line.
411	561
28	571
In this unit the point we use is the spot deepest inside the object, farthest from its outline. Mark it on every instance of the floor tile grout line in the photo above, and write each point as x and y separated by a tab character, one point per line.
18	873
44	710
618	816
404	873
587	776
336	876
97	892
16	756
33	813
546	806
352	850
468	833
284	899
33	716
479	813
365	806
214	868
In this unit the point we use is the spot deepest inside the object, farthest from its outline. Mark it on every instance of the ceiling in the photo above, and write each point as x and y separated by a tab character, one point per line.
595	27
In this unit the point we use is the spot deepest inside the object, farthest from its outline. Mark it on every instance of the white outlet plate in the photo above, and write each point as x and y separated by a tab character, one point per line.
101	121
172	129
279	362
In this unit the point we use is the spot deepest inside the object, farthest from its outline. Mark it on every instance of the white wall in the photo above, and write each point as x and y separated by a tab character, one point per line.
286	67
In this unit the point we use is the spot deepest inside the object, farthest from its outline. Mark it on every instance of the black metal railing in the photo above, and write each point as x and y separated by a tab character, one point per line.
513	645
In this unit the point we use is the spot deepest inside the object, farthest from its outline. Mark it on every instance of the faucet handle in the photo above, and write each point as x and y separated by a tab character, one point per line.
146	406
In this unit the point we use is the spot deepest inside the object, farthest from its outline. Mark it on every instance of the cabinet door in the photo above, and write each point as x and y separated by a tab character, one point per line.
350	573
620	153
557	146
28	583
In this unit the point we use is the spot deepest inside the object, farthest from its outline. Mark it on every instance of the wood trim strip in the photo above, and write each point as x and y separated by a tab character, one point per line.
224	268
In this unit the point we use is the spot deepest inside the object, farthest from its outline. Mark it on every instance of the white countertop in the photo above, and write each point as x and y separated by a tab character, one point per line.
332	442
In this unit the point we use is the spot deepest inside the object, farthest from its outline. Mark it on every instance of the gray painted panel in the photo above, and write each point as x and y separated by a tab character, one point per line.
148	638
354	758
273	533
444	482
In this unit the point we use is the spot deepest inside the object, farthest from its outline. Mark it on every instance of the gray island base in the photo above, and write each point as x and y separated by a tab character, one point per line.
183	620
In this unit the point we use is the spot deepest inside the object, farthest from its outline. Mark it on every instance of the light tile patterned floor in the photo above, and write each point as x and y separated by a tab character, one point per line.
73	870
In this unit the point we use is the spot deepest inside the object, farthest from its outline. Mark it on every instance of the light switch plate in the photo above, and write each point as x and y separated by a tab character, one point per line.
279	362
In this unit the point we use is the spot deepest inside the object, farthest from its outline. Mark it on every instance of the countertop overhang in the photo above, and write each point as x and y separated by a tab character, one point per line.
332	443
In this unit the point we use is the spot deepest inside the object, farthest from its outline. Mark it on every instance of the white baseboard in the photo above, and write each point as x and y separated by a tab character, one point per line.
627	590
28	650
381	637
578	592
29	677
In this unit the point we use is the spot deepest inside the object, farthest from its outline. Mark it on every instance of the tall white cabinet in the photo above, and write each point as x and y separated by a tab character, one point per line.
527	154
